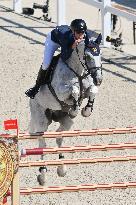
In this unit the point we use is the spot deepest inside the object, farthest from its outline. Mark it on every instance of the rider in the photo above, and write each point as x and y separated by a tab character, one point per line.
66	37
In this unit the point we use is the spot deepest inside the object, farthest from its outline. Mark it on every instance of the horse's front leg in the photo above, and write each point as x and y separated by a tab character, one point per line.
75	95
65	124
93	89
87	110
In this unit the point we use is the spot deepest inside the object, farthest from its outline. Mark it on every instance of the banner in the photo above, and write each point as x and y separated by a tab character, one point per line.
10	124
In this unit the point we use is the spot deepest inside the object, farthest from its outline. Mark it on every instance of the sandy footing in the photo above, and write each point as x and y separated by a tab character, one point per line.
21	52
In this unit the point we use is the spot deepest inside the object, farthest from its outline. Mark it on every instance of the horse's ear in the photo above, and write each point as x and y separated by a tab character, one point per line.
94	48
99	39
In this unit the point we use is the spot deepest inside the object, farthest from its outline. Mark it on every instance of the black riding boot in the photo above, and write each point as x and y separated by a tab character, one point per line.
41	80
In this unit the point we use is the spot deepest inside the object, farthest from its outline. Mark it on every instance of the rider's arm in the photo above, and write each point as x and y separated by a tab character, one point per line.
64	37
55	35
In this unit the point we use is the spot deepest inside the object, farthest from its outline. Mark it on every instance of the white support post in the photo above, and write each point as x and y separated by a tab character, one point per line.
106	22
61	12
15	190
17	6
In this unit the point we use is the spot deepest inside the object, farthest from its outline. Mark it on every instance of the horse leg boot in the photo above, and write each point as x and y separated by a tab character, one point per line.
41	80
87	110
75	95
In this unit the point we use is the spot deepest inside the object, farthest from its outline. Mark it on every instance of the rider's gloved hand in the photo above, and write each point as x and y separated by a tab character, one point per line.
77	41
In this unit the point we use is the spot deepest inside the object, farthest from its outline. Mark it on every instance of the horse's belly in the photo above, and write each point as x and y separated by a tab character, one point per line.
62	91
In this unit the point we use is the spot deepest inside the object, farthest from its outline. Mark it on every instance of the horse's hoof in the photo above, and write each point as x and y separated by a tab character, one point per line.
72	116
43	169
59	141
41	179
61	156
61	170
86	112
73	113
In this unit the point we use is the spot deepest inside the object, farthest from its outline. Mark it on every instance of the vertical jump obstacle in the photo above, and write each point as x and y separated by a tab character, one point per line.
9	148
106	7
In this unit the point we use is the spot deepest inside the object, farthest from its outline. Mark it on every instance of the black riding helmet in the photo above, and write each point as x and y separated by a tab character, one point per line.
78	25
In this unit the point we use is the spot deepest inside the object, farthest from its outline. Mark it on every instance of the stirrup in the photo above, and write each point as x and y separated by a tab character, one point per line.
32	92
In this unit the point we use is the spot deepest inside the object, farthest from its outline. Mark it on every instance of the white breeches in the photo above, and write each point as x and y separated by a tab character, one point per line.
49	50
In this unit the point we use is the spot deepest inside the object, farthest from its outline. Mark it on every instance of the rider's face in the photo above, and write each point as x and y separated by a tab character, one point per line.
78	36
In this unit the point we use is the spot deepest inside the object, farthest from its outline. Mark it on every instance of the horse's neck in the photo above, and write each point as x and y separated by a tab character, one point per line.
76	60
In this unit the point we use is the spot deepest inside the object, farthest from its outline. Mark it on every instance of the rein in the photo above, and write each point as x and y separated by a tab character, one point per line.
84	65
65	107
80	78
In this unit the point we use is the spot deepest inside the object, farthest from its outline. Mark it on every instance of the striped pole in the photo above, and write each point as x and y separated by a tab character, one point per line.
56	150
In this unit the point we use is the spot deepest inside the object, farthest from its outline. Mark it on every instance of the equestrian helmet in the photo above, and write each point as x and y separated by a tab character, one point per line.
78	25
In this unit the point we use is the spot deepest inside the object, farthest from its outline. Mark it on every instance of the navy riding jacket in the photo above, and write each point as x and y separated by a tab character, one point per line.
63	36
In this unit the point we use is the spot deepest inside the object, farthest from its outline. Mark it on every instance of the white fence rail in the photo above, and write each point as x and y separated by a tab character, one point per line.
61	16
17	6
106	7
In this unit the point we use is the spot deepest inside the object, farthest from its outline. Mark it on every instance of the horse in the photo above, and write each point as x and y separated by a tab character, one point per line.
59	100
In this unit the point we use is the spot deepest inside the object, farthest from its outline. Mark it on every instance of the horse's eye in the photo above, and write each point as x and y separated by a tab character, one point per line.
88	57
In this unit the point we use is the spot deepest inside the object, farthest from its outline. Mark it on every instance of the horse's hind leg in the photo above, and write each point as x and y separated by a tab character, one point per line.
65	124
41	177
42	144
39	123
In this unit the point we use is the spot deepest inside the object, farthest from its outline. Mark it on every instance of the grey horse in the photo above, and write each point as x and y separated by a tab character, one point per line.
70	83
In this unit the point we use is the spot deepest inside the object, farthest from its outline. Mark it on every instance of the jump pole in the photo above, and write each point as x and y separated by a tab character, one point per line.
84	187
75	133
25	164
73	149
